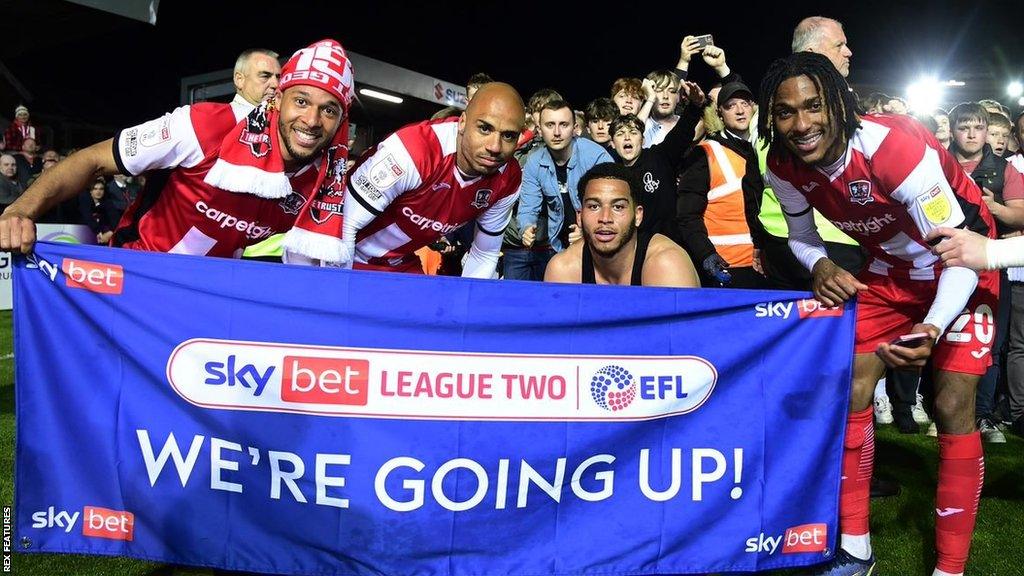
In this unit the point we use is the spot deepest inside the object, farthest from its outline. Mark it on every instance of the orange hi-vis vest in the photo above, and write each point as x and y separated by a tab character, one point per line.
725	217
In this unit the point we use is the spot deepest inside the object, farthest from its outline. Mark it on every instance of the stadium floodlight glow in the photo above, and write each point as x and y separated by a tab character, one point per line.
954	83
380	96
925	94
1015	89
1021	101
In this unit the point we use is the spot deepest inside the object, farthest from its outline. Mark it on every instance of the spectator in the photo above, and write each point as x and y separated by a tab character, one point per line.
474	83
875	103
256	75
551	174
121	192
10	187
599	115
999	127
520	262
628	95
97	213
942	134
29	161
663	114
720	197
826	37
19	130
896	105
581	122
656	167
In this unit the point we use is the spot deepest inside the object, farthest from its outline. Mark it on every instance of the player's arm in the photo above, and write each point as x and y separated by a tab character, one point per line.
62	182
974	251
831	284
670	267
482	260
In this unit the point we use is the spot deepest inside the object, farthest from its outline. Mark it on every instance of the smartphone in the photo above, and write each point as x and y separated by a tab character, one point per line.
705	40
911	340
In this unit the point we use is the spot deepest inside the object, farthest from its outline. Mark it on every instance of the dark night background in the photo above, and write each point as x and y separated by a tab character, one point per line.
107	71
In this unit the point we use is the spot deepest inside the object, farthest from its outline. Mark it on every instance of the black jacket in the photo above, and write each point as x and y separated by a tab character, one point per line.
656	169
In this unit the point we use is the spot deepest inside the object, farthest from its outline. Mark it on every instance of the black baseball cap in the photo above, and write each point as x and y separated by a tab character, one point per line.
733	89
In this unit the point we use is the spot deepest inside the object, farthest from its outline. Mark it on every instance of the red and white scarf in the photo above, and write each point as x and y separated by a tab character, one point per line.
250	160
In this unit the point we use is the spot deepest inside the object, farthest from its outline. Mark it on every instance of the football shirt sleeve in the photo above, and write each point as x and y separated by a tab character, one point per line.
804	240
384	176
166	142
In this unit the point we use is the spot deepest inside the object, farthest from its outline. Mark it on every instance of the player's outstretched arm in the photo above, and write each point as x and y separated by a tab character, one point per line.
972	250
60	183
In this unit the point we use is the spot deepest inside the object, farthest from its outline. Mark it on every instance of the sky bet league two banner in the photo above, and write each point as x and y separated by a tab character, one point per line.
297	420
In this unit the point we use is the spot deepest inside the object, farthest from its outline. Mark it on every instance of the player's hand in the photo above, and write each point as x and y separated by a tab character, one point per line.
832	285
694	95
688	47
960	247
902	357
103	238
647	85
529	235
17	232
575	234
713	56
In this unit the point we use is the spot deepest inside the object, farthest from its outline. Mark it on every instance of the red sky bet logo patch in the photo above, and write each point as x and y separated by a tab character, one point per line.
325	380
111	524
805	538
93	276
811	308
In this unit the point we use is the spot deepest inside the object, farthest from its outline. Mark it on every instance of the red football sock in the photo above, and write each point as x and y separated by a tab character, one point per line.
858	463
961	475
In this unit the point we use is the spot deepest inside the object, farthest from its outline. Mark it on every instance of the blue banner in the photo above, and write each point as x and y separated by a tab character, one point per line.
292	420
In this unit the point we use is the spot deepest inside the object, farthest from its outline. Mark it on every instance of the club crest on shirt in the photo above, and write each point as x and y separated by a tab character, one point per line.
292	203
482	199
860	192
255	134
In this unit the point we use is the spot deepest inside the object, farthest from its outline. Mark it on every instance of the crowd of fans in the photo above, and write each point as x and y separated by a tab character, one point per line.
23	160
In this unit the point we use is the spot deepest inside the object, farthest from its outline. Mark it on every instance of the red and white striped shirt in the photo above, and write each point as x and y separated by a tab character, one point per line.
410	193
894	185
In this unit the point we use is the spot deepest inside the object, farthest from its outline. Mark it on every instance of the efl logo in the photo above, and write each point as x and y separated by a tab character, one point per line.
110	524
325	380
93	276
805	538
811	308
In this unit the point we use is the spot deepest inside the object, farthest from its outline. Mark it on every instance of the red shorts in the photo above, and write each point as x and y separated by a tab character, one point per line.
890	307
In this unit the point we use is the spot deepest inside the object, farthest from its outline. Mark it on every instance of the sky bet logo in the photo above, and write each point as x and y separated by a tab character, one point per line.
808	308
303	379
803	538
93	276
96	522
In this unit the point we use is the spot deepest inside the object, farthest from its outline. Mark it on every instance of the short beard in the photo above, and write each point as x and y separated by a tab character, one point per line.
296	156
608	253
